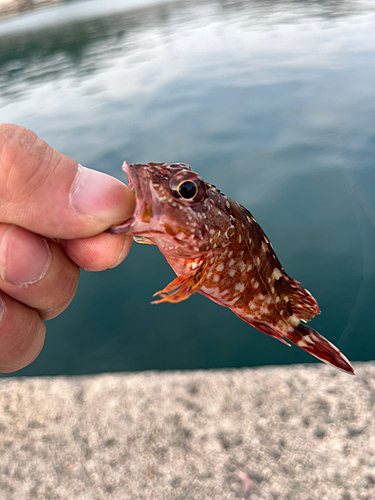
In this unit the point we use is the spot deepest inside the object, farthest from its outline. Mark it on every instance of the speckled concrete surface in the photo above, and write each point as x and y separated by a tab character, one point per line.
296	432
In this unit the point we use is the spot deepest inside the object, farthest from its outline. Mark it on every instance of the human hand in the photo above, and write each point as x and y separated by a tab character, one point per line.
52	216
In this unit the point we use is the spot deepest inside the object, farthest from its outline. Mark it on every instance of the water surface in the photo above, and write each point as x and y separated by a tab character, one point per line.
272	101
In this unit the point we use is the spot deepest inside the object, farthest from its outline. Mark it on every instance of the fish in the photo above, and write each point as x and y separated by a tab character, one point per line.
216	248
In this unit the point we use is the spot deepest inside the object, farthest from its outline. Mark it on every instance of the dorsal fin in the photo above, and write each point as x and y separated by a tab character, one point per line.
302	303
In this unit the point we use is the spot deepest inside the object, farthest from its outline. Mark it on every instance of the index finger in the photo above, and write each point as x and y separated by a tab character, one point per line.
48	193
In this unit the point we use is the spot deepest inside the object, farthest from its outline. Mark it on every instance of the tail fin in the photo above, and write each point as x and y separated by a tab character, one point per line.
311	341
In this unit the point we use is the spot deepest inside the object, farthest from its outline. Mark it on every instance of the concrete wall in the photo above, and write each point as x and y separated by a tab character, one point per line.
282	433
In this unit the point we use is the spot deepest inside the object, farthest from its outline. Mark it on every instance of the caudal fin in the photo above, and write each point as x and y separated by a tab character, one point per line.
311	341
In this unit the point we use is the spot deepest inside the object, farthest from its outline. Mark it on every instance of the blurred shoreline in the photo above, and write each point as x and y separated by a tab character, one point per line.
14	7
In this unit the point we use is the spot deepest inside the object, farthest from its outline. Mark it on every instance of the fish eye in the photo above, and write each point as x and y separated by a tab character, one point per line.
187	187
187	190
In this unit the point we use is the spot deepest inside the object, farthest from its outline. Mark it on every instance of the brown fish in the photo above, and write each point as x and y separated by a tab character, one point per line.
216	248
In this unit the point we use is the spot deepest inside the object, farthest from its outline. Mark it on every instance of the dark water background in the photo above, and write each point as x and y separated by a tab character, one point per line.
272	101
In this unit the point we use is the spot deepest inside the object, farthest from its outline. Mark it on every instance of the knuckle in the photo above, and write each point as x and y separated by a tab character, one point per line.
25	162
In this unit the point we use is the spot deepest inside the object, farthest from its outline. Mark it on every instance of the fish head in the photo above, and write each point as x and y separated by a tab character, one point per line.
175	208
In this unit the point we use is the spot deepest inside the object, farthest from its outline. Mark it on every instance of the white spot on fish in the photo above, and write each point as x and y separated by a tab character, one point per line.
230	253
310	340
227	204
232	302
293	320
286	298
264	247
248	218
239	238
240	287
258	261
231	262
277	299
220	267
232	272
302	343
196	249
276	274
252	305
249	267
256	285
216	278
242	266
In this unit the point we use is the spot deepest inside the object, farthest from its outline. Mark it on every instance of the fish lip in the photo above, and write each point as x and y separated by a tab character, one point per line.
132	177
133	185
124	228
139	184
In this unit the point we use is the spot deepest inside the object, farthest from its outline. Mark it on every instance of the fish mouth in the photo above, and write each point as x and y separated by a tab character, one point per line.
133	182
140	183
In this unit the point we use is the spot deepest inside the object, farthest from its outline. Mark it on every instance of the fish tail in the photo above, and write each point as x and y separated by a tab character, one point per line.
312	342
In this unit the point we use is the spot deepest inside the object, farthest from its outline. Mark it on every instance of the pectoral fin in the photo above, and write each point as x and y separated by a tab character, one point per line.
143	240
183	286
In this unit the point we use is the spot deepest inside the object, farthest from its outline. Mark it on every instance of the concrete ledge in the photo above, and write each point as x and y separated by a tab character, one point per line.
300	432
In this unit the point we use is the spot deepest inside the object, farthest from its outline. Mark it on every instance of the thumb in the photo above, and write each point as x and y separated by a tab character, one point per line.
50	194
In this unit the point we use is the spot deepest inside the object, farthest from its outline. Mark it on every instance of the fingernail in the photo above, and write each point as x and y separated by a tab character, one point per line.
95	193
24	256
2	309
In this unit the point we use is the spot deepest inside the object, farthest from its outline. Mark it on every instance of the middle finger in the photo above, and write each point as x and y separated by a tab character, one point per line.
36	271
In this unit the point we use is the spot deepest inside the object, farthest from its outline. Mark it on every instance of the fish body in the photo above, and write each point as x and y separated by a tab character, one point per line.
216	248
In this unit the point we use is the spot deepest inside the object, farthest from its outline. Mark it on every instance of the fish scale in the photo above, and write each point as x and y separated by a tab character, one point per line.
217	249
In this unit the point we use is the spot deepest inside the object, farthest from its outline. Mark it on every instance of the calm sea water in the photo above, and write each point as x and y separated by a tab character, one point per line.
272	101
